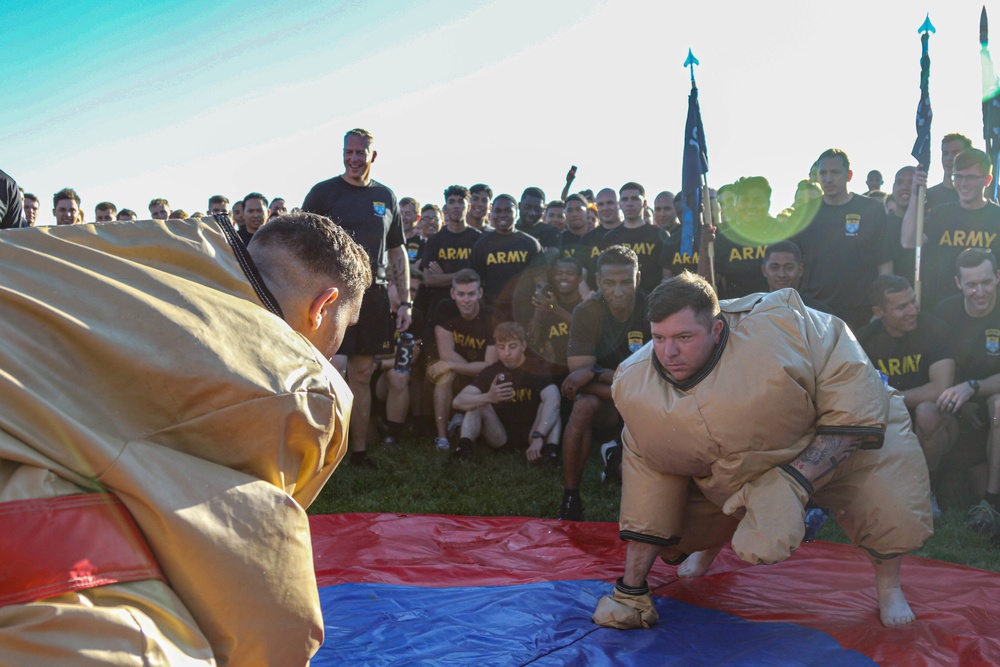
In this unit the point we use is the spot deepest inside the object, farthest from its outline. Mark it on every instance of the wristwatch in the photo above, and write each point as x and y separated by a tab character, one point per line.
408	304
596	369
536	434
975	386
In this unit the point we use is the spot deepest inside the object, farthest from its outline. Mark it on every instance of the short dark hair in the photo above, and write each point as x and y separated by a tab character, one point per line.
970	258
160	201
632	185
106	206
255	195
430	207
887	284
126	211
752	184
567	260
555	203
504	195
218	199
687	290
65	193
481	187
577	197
28	195
956	136
617	255
466	277
409	201
784	246
322	247
837	153
973	157
532	191
456	191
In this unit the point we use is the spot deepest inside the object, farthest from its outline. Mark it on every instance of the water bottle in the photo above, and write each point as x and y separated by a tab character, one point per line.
404	353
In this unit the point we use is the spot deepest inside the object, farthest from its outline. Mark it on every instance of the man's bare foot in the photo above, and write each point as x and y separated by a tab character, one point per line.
698	563
893	608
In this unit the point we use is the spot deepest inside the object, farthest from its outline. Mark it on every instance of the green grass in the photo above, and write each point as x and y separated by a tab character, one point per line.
417	479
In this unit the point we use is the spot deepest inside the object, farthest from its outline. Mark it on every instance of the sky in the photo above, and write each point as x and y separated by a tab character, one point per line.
127	101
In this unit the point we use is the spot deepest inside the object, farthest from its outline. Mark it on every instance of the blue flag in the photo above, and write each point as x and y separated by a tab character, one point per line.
922	146
991	101
695	165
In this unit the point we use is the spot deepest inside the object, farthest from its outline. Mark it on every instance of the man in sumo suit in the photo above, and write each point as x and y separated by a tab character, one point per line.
734	419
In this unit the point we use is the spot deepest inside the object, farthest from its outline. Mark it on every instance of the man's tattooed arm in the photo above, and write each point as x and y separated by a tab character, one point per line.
823	455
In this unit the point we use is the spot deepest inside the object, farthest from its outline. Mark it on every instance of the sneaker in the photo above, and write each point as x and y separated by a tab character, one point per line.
461	454
815	518
442	444
550	455
455	425
362	461
571	508
389	444
985	520
611	454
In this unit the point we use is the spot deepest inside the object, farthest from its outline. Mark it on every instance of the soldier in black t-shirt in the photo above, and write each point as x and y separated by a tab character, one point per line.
463	336
369	212
511	401
529	218
971	222
944	192
903	259
645	240
448	251
975	324
571	240
914	351
501	257
606	329
843	246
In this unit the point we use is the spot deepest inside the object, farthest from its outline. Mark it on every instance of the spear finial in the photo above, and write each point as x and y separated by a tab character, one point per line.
691	62
927	26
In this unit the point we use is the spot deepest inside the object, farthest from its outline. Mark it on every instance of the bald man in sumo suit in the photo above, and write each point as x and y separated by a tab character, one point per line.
734	419
168	411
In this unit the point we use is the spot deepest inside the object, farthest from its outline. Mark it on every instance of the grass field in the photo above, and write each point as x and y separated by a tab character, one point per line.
417	479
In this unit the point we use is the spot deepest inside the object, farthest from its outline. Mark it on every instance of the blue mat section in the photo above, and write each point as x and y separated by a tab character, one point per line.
548	624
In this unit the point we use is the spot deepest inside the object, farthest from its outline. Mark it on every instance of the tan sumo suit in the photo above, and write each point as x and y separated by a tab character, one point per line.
148	360
781	374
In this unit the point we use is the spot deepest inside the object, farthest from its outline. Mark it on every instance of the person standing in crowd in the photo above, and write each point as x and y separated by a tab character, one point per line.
664	213
903	260
645	240
31	208
529	218
480	198
448	251
255	215
66	207
218	204
105	212
159	209
368	210
944	192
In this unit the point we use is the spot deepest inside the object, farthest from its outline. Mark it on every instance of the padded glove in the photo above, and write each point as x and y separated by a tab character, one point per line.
775	511
627	609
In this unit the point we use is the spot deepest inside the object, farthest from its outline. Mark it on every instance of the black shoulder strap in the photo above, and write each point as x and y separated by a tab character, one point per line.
246	263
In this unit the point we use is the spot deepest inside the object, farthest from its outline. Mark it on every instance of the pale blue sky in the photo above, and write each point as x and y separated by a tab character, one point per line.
127	101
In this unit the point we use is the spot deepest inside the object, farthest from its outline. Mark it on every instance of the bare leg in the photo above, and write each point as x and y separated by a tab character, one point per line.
576	442
893	608
398	399
936	431
359	377
698	563
442	403
993	447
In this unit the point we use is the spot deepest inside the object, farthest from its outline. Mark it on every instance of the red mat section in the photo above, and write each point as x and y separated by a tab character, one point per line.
828	587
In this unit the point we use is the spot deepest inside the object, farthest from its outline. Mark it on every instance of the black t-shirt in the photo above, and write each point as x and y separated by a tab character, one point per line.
950	229
907	359
571	245
529	380
595	333
471	337
938	195
499	259
415	248
452	251
370	214
739	254
648	242
590	249
842	250
976	339
546	234
676	261
903	260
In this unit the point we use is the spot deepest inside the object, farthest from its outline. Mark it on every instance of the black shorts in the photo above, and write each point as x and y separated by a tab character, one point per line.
375	330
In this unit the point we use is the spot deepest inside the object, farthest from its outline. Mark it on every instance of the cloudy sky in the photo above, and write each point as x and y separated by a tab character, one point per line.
126	101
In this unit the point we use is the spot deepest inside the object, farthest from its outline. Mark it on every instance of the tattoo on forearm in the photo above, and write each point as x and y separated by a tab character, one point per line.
399	277
824	454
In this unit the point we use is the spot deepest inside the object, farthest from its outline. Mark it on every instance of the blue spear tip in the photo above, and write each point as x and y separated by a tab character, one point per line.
927	26
691	60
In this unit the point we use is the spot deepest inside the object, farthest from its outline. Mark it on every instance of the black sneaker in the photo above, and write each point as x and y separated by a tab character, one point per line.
461	453
550	455
611	454
571	509
362	461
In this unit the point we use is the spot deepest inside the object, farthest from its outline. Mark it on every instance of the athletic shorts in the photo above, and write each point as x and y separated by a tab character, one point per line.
376	328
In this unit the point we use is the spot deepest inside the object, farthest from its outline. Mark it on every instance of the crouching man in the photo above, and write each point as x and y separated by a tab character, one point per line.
513	400
734	420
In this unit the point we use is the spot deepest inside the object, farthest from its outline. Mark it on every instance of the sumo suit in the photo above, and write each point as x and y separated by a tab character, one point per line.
162	430
781	375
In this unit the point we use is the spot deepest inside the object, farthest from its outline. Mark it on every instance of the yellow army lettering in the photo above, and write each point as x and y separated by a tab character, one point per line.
908	364
510	257
522	395
737	254
641	248
462	340
557	330
685	258
454	253
967	239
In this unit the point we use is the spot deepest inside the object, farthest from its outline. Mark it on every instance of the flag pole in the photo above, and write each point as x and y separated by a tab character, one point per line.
921	149
706	203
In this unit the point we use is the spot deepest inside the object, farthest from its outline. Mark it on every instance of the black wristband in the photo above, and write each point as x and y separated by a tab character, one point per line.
408	304
798	477
629	590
